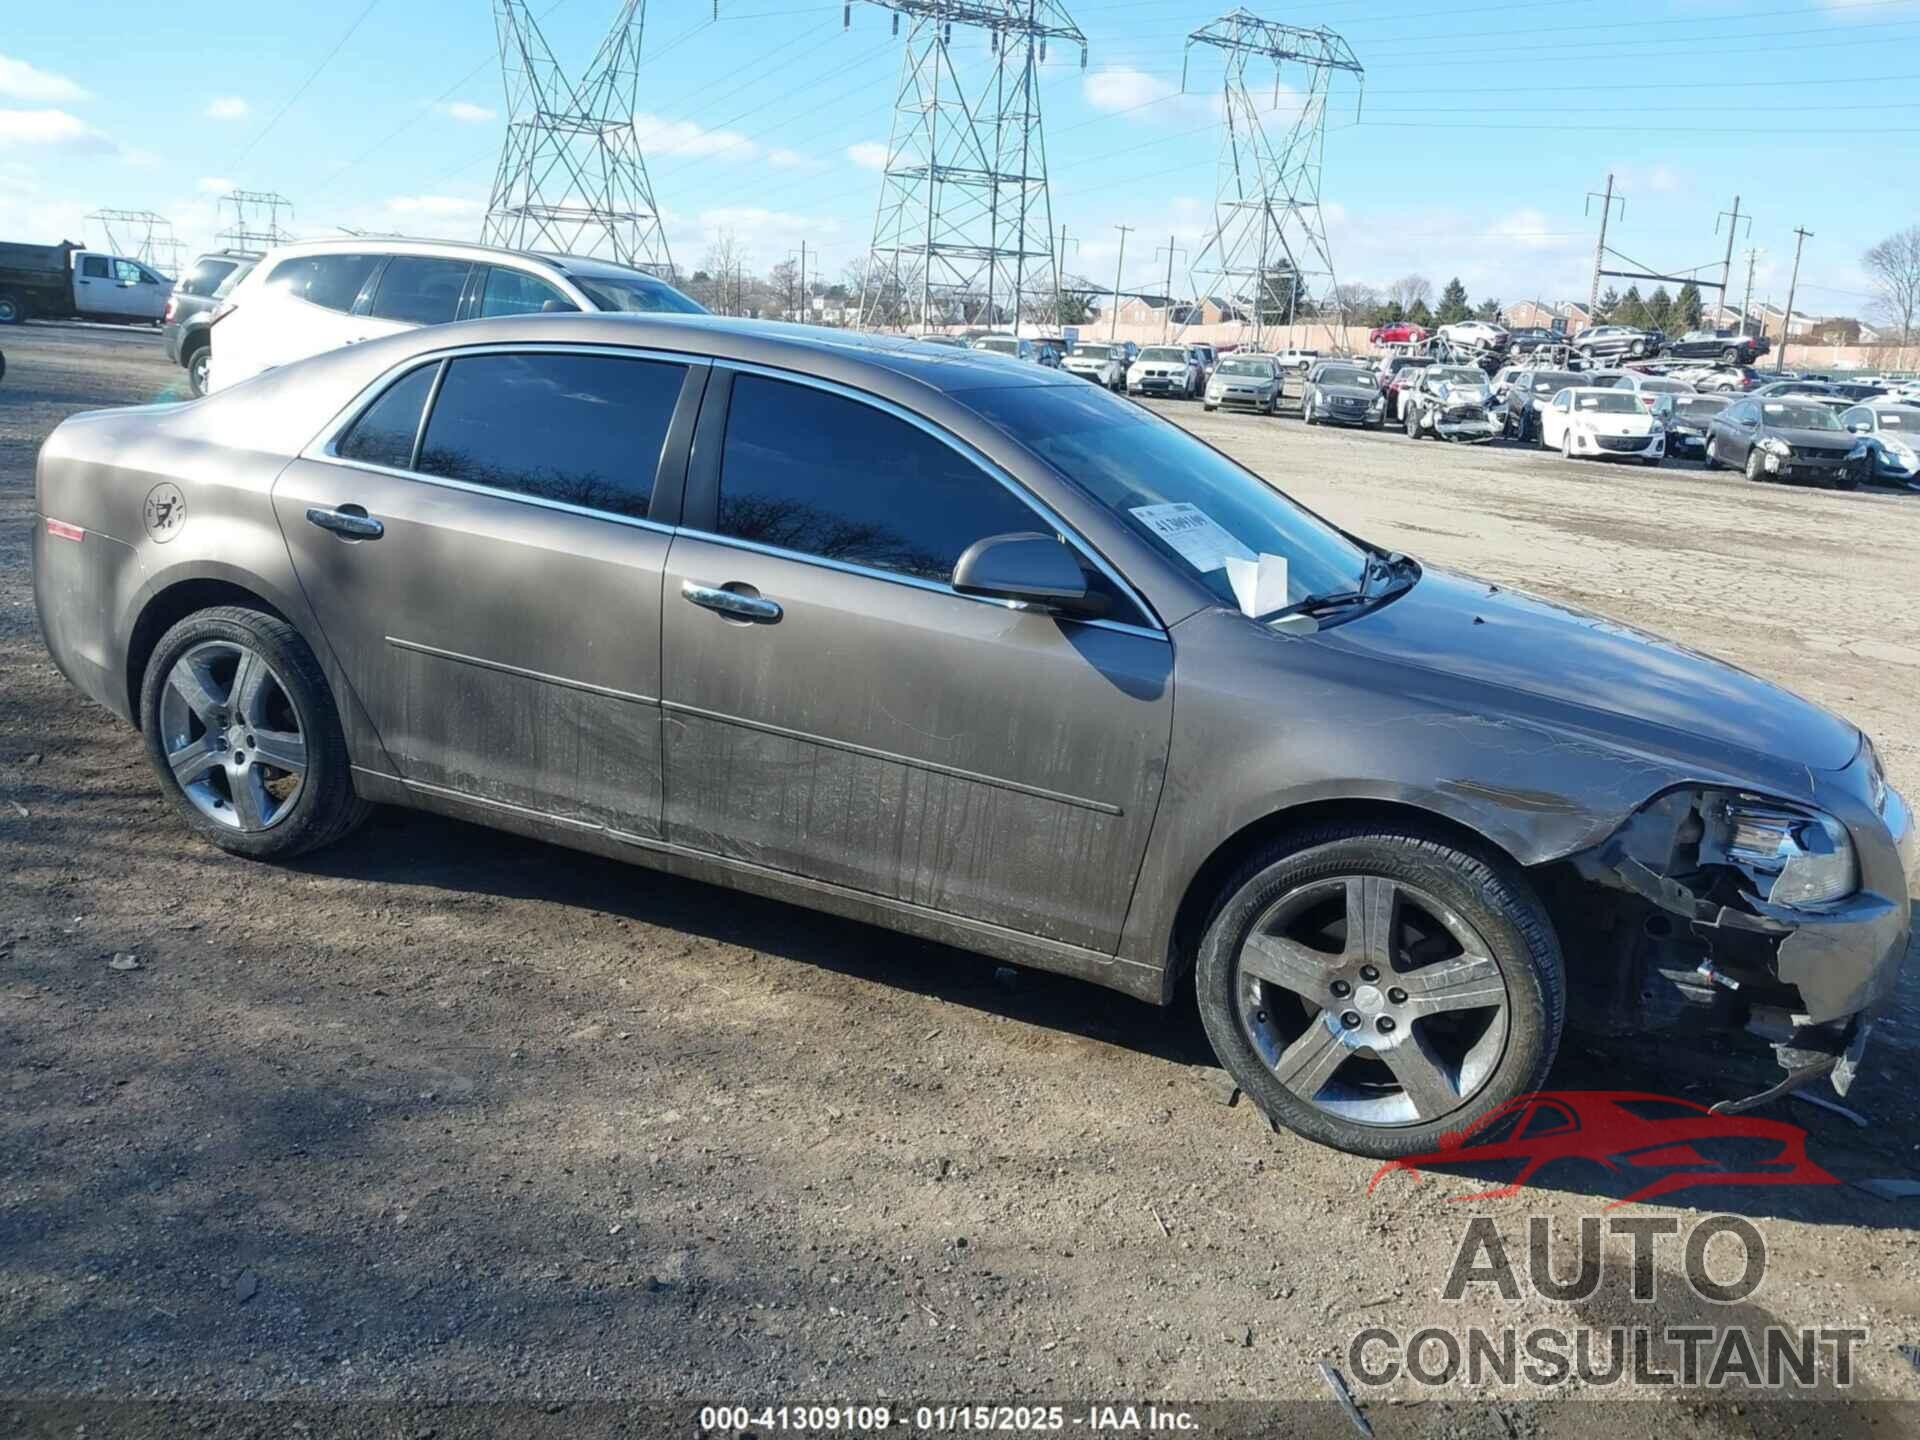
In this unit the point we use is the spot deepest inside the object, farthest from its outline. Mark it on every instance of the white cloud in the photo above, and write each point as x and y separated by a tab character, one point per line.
226	107
1527	229
661	136
868	155
215	185
783	159
53	129
1124	88
21	81
466	112
438	207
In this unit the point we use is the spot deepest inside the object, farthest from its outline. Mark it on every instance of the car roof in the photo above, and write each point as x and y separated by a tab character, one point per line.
455	249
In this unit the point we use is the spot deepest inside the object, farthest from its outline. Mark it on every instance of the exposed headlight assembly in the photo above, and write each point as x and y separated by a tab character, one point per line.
1860	450
1793	857
1773	445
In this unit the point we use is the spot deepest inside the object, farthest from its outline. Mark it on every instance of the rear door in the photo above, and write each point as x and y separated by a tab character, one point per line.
411	290
503	628
308	310
871	728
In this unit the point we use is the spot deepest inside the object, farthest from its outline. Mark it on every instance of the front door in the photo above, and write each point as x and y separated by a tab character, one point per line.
858	722
96	290
503	628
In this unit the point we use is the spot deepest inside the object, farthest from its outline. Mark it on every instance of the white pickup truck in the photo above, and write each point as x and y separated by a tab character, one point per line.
67	282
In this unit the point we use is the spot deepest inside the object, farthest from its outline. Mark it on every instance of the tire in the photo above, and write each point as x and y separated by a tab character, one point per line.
13	310
1637	349
1566	444
1412	423
1729	356
319	806
1489	1053
1753	468
1209	408
1652	461
196	365
1707	462
1306	414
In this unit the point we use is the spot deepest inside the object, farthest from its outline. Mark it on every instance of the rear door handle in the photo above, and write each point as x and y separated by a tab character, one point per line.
348	520
731	603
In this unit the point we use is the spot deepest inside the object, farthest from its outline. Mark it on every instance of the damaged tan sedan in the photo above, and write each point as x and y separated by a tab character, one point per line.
972	650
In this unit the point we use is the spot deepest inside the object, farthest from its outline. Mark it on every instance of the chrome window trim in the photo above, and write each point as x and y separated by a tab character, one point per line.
323	448
972	456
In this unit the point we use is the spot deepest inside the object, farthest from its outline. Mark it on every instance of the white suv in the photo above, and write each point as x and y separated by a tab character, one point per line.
309	298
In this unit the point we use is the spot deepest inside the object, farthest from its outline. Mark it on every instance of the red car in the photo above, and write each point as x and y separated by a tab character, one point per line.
1400	332
1626	1130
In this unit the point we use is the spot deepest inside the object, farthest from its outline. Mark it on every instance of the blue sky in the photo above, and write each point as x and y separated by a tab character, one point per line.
1484	126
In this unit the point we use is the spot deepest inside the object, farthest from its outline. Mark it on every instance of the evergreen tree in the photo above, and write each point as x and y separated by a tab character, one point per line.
1659	308
1609	306
1421	315
1686	309
1453	303
1487	310
1632	310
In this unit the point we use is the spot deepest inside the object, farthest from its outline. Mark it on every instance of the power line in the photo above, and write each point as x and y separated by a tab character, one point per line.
313	75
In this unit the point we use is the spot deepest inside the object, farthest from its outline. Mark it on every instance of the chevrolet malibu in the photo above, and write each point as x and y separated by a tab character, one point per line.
980	653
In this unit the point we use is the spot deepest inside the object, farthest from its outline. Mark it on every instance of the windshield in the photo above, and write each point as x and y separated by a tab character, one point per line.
634	294
1345	375
1792	415
1667	387
1091	352
1191	503
1700	405
1899	419
1457	375
999	347
1164	352
1553	382
1261	368
1609	403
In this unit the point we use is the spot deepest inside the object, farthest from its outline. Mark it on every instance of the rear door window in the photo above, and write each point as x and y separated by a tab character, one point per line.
420	290
205	277
798	472
584	430
385	431
330	281
515	292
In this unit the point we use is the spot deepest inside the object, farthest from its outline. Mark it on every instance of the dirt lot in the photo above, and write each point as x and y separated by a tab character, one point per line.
446	1115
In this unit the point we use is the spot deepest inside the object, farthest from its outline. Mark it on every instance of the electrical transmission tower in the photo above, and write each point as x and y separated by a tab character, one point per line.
142	236
1268	250
256	219
964	227
571	176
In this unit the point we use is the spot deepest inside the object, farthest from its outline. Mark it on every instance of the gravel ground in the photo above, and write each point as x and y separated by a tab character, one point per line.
447	1115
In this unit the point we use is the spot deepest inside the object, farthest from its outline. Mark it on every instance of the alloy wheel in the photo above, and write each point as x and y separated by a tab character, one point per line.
197	371
1372	1000
232	736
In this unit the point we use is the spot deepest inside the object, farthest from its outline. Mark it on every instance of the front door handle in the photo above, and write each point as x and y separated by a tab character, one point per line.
731	603
348	520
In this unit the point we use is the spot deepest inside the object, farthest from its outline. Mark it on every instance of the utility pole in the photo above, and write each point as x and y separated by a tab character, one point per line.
1166	320
1733	227
1746	306
1600	246
803	307
1786	321
1113	322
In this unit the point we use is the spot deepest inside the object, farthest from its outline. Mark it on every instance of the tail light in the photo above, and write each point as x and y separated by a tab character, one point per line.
172	305
220	312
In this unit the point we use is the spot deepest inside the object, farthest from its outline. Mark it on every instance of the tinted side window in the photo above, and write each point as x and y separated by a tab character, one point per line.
514	292
383	435
585	429
814	472
333	281
205	277
420	289
94	267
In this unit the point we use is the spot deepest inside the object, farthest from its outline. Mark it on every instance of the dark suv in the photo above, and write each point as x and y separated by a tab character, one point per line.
190	307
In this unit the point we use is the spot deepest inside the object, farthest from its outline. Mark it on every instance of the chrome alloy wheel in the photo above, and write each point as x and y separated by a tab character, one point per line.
232	736
1372	1000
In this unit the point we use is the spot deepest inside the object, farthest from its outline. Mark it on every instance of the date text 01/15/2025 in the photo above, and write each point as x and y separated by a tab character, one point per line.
935	1419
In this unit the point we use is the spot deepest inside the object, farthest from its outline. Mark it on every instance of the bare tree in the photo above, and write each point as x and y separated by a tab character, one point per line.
784	279
1356	300
724	266
1894	268
1410	290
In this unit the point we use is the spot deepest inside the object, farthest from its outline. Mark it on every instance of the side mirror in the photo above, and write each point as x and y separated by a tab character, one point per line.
1027	569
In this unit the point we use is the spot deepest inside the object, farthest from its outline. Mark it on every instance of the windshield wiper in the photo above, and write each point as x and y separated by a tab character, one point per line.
1379	567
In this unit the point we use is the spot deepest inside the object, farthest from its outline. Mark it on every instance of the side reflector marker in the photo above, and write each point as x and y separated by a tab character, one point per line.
65	531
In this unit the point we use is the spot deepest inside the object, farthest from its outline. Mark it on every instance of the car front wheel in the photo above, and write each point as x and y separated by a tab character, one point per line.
1372	988
1756	471
241	728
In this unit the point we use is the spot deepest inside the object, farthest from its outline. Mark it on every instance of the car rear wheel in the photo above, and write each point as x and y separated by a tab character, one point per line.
1371	988
197	369
241	728
1729	356
13	310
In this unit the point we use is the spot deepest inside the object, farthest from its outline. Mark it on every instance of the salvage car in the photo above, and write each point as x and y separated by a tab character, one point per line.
1396	332
1529	394
938	695
1789	437
186	327
1687	418
1615	342
301	300
1342	392
1729	347
1167	370
1588	422
1448	402
1475	335
1525	339
1648	389
1103	364
1397	372
1893	430
1244	382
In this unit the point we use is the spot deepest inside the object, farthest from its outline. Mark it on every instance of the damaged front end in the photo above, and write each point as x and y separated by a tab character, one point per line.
1747	911
1468	421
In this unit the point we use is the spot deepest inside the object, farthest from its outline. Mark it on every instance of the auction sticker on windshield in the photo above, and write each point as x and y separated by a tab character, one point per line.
1193	534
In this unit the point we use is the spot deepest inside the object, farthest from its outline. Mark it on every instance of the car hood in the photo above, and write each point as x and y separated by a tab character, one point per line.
1612	424
1811	439
1474	631
1347	391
